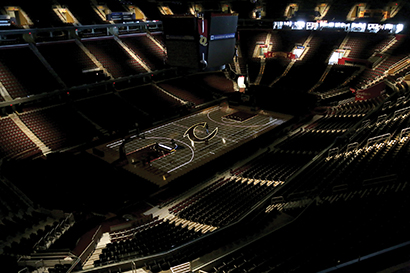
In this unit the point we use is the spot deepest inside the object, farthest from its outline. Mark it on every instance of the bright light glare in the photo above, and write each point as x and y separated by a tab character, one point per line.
399	28
300	24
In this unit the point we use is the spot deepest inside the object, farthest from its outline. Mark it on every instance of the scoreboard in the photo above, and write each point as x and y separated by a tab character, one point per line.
200	42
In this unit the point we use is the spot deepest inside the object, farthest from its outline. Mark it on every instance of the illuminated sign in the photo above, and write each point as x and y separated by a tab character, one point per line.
222	36
353	27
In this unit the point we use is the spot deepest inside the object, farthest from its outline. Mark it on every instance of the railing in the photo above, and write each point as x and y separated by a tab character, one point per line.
378	139
47	240
73	31
48	260
397	67
91	246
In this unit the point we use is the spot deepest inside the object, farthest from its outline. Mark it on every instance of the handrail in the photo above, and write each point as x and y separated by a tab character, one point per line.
91	246
31	31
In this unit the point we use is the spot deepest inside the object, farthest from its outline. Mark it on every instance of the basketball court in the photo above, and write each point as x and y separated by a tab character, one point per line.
168	151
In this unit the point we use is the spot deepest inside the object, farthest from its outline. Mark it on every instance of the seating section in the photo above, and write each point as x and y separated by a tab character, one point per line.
362	45
41	14
277	165
273	69
319	48
248	39
110	112
289	39
309	141
115	6
350	191
333	245
155	237
349	203
61	126
216	82
390	120
379	72
69	61
21	69
335	123
337	12
24	229
59	268
10	82
152	101
188	89
146	49
338	75
151	11
84	13
58	127
337	96
14	142
14	228
59	227
360	107
366	162
186	202
10	203
113	57
223	202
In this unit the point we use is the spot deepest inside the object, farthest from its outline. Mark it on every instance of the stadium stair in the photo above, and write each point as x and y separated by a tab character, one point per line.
261	70
263	59
344	42
171	95
98	127
132	54
236	61
284	73
4	93
47	65
44	149
92	57
290	65
98	11
328	68
389	45
105	239
307	44
156	42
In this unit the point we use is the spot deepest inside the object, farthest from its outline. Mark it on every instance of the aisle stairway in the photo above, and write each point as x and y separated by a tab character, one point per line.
4	93
92	57
105	239
43	147
132	54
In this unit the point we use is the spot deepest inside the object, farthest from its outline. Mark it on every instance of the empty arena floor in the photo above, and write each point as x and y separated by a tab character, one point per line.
168	151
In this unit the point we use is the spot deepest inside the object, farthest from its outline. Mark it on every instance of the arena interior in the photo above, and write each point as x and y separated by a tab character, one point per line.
204	136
